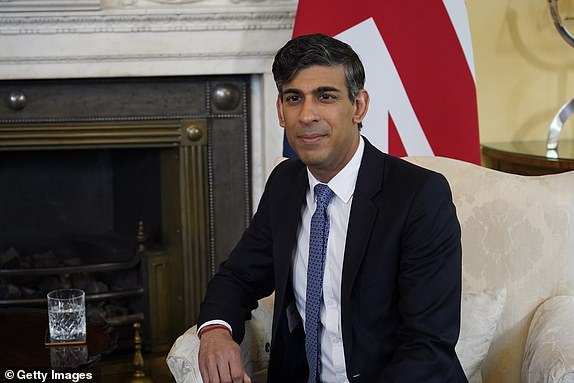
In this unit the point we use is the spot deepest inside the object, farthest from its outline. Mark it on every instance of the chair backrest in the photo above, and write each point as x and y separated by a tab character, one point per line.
518	234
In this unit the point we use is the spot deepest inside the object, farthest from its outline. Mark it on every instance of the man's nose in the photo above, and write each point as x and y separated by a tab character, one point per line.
308	112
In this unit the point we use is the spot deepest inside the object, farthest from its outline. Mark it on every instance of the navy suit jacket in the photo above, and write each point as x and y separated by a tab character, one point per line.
401	282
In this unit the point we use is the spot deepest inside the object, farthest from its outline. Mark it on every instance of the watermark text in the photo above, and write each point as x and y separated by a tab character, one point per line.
45	376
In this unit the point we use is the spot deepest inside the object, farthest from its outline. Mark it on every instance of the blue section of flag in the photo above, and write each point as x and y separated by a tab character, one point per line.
287	149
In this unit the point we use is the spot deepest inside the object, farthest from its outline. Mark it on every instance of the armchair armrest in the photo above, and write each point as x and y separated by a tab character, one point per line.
182	358
549	353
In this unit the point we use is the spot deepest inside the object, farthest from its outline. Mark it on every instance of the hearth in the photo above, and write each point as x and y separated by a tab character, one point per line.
132	189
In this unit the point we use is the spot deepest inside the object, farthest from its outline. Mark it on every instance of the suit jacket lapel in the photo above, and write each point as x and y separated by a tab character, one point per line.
286	237
361	220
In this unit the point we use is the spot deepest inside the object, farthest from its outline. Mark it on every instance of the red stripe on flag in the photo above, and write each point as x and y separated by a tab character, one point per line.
395	144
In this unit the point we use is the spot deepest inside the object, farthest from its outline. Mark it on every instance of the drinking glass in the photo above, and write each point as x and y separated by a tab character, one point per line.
67	316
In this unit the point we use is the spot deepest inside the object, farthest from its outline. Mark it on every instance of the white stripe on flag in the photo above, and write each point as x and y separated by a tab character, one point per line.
388	95
458	16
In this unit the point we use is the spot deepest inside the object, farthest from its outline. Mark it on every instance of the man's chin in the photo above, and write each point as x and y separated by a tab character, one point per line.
311	160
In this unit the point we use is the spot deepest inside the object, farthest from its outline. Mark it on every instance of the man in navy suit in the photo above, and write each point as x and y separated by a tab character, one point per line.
391	288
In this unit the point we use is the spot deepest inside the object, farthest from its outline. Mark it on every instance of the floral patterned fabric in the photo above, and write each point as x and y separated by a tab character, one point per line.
549	355
517	234
480	313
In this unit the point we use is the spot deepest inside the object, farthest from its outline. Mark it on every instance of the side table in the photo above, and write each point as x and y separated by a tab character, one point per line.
22	333
527	157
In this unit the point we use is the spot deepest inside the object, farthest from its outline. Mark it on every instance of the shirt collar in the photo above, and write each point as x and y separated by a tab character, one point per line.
343	184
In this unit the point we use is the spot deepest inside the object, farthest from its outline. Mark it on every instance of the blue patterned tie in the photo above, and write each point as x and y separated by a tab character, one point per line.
316	265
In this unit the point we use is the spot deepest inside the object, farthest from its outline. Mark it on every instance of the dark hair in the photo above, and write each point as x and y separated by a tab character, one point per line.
318	49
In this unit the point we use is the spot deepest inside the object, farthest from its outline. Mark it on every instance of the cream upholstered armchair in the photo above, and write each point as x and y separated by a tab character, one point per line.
518	280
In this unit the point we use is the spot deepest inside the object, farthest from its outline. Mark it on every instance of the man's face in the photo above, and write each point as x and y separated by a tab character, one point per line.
320	120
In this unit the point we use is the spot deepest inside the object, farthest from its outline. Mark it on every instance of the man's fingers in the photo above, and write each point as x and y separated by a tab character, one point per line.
203	369
222	370
212	371
236	368
223	362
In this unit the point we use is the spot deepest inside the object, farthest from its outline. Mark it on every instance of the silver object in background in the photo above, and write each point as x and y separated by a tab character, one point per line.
556	127
559	22
567	109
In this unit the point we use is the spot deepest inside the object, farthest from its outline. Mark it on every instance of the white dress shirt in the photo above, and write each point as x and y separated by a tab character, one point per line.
343	185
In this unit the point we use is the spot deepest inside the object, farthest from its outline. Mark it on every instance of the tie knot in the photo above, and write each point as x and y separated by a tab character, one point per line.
323	194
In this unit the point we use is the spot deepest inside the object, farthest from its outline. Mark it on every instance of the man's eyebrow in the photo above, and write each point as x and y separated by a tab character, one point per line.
291	90
320	89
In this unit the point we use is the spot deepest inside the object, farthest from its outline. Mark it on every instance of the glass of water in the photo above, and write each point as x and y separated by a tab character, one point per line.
67	316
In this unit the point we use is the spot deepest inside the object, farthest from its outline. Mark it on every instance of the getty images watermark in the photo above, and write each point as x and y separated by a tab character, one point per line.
44	376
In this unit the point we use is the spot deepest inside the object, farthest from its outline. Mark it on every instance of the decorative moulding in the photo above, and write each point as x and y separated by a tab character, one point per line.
158	57
95	5
48	6
132	38
199	20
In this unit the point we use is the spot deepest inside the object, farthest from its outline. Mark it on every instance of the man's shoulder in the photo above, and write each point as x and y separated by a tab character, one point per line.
287	171
289	166
286	175
393	166
397	176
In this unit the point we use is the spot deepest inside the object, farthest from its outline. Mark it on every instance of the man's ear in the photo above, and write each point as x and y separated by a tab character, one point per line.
279	104
361	106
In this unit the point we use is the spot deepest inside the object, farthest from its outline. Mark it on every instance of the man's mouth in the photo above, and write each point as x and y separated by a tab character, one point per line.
310	139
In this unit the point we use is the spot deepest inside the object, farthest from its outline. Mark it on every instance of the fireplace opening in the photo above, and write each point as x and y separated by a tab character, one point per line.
75	195
72	219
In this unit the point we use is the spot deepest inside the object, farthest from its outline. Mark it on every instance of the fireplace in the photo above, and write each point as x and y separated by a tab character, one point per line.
48	47
132	189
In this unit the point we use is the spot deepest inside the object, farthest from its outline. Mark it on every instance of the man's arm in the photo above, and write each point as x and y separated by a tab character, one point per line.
430	288
245	277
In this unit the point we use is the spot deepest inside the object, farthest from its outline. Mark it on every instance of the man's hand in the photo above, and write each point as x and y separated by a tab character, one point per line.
220	358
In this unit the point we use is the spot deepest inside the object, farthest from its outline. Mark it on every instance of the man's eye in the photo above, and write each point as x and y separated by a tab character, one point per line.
292	98
326	97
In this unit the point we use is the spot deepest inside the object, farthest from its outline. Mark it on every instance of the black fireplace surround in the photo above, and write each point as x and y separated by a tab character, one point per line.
132	189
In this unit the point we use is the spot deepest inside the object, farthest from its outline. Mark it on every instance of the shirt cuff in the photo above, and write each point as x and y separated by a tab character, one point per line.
212	322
